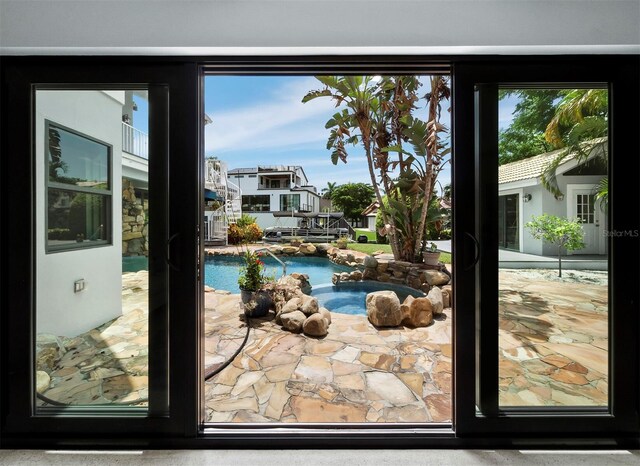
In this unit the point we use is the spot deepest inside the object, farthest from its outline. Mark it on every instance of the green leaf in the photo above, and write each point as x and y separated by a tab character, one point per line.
315	94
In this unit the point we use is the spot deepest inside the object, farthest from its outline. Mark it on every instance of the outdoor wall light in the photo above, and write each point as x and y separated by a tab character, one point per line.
559	197
526	197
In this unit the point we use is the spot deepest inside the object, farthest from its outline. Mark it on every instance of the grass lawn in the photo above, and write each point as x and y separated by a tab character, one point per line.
372	247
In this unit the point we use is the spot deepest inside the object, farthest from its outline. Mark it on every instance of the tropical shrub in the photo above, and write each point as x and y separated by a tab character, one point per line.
238	234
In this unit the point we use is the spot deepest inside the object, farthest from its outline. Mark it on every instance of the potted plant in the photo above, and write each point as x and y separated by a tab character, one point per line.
431	254
342	242
296	241
251	280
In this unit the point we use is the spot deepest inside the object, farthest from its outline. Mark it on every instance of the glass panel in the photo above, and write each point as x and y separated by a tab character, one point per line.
76	159
91	161
76	219
553	294
276	367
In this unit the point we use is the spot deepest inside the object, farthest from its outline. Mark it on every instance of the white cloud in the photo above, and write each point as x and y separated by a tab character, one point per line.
282	120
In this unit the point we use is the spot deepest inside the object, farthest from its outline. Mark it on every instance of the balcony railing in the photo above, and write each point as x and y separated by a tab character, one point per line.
135	141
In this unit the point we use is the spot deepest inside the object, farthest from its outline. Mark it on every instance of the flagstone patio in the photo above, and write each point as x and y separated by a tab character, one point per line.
553	352
357	373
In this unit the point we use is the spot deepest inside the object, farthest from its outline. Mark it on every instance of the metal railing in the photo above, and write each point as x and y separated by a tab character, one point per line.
135	141
284	266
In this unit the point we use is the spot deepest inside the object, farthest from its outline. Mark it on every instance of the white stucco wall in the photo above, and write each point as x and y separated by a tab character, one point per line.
60	311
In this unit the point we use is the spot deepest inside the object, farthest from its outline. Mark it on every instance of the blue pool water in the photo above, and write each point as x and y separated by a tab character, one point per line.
349	297
134	263
221	272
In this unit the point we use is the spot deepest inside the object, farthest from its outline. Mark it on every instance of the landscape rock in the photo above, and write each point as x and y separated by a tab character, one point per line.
383	309
370	262
291	305
323	248
355	276
316	325
309	305
446	297
324	312
307	249
417	312
435	277
42	381
369	274
435	296
289	249
293	321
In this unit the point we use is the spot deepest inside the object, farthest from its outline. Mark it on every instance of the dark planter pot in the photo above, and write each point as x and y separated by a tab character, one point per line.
256	303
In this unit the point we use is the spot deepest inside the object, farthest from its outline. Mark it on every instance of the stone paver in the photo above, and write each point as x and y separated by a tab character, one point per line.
357	373
553	340
553	352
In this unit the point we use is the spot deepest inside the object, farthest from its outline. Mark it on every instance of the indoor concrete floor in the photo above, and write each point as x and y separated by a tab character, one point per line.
322	457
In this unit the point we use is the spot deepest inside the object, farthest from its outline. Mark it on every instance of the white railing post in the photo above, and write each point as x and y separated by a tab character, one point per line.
135	141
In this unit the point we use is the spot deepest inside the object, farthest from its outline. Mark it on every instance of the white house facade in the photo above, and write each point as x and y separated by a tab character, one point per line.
521	196
279	188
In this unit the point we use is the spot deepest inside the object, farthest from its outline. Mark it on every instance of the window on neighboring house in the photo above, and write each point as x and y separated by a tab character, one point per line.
260	203
289	202
79	190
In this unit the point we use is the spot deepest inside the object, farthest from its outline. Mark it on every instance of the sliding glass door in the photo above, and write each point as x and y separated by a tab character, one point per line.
94	260
551	306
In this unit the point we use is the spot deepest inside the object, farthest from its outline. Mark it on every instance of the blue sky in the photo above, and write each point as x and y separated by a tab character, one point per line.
260	120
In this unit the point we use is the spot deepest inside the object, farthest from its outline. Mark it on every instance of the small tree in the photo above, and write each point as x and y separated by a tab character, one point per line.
562	232
352	199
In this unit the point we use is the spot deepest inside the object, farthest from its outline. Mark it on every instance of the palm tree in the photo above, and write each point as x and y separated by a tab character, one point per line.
328	191
579	126
378	113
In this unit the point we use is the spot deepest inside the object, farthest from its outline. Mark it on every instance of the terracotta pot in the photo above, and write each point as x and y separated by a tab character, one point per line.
256	303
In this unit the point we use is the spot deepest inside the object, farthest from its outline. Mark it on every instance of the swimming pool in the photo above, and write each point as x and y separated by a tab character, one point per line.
350	297
221	272
134	263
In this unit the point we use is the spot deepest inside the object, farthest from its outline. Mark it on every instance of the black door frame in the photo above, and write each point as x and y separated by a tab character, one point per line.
169	100
477	85
181	428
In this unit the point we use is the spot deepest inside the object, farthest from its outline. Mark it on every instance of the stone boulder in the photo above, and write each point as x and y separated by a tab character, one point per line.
417	312
309	305
370	262
323	248
356	276
42	381
383	309
316	325
324	312
293	321
435	296
446	296
435	277
307	249
289	249
291	305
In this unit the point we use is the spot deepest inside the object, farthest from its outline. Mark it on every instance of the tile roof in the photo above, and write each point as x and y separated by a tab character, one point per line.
534	166
526	168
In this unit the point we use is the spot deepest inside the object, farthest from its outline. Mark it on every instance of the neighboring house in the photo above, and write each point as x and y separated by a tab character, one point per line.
369	215
280	188
522	196
223	203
